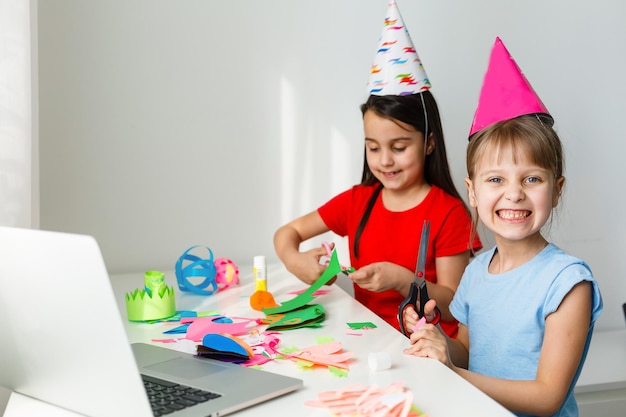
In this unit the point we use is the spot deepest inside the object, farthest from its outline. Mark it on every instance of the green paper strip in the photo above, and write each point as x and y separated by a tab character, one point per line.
305	316
362	325
307	296
341	373
324	339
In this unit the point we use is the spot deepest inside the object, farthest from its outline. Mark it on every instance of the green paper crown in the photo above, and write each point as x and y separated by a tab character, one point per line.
144	306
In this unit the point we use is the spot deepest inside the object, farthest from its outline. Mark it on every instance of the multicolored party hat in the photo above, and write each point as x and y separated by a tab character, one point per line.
397	70
506	93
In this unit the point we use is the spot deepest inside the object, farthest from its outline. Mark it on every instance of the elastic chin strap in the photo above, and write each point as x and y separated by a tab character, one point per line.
425	122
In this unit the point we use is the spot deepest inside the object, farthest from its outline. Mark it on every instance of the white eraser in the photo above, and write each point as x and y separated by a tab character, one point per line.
379	361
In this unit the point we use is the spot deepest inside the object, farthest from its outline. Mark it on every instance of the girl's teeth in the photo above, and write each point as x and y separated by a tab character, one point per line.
511	214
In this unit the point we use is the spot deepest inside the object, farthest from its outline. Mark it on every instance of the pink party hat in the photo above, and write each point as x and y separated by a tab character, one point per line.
506	93
397	70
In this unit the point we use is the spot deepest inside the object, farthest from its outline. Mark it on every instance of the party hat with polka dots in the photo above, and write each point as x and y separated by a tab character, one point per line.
397	69
506	93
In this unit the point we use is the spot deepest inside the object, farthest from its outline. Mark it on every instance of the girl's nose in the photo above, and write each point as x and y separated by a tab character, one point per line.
386	157
514	193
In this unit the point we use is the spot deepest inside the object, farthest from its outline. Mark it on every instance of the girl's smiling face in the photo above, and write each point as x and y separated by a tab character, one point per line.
395	152
514	197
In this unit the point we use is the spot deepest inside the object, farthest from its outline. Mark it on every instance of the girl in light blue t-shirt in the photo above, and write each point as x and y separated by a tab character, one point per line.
526	308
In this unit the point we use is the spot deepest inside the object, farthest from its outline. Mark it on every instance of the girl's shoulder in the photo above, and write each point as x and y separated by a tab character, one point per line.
556	258
439	197
362	191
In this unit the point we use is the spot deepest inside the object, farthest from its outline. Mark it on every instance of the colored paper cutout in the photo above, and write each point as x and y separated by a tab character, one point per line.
323	339
368	401
228	344
307	296
178	329
204	325
361	325
315	294
341	373
327	354
307	316
419	323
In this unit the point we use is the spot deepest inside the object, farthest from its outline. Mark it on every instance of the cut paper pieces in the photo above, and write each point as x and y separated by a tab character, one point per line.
153	302
327	354
185	313
225	348
306	297
204	325
307	316
165	340
264	347
361	325
178	329
315	294
419	323
368	401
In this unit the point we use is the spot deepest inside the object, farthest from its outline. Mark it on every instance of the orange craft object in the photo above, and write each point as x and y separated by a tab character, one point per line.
262	299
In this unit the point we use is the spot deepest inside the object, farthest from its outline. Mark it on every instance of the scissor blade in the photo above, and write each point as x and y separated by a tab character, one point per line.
420	267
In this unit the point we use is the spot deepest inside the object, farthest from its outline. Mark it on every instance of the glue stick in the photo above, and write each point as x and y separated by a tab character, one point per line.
260	273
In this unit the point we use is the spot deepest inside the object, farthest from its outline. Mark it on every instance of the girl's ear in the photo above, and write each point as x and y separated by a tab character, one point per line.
558	189
470	193
430	144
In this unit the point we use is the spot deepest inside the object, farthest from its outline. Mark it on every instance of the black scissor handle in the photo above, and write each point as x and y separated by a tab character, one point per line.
410	300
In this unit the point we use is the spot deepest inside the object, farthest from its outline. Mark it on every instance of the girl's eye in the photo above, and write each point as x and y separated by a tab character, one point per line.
399	149
372	149
495	180
533	179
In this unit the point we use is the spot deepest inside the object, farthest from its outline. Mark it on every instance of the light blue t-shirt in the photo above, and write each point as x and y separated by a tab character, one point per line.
506	313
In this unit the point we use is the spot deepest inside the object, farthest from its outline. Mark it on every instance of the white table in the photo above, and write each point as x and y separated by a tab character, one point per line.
438	391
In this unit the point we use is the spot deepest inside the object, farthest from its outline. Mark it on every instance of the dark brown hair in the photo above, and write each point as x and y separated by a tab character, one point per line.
409	109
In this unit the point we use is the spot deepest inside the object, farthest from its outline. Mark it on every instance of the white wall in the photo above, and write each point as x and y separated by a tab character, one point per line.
165	124
18	154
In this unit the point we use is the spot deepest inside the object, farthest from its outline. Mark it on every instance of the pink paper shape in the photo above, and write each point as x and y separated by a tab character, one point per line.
202	326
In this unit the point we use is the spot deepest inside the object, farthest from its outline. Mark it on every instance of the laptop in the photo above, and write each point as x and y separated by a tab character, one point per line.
63	340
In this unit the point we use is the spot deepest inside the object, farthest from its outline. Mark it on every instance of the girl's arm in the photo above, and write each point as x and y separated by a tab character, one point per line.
287	239
449	272
561	352
383	276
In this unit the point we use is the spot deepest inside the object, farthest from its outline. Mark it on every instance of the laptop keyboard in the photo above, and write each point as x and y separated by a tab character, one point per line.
166	397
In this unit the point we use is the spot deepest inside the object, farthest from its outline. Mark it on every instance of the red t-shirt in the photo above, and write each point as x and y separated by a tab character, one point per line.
394	237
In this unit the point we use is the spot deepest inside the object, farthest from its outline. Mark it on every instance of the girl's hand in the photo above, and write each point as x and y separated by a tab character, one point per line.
380	276
306	265
410	318
427	340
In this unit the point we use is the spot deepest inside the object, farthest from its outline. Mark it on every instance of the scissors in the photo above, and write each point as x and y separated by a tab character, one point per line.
418	286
